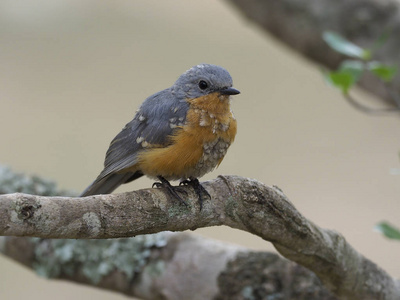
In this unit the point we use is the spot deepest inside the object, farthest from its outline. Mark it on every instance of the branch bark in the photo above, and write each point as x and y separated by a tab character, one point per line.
169	266
300	23
237	202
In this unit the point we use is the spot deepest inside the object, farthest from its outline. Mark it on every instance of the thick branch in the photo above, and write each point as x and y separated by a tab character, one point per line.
168	266
300	24
237	202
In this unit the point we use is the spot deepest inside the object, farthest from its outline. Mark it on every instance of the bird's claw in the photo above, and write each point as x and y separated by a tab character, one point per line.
171	189
198	188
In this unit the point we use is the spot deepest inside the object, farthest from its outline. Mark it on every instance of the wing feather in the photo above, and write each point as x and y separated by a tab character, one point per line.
154	123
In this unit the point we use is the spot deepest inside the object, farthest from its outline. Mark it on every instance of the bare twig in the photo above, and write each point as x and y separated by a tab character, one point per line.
369	110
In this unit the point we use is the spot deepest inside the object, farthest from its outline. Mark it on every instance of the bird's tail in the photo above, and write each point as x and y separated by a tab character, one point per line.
107	184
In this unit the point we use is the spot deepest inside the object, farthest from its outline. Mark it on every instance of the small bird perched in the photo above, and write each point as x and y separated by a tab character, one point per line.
180	133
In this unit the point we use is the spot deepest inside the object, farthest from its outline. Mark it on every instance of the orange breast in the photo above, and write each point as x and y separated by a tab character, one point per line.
201	144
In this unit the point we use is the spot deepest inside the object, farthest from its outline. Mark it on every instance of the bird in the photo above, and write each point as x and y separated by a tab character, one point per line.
180	133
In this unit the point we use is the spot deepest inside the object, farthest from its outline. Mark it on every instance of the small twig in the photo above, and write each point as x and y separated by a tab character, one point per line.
368	110
394	94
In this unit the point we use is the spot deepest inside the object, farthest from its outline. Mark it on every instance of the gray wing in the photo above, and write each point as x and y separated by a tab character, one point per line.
154	123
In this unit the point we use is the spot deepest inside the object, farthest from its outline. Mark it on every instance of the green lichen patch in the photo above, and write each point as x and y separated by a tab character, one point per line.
93	223
94	259
230	208
11	182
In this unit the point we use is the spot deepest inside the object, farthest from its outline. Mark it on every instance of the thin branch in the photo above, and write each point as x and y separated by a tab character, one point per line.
369	110
237	202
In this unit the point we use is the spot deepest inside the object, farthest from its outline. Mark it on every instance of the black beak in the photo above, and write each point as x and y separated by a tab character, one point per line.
229	91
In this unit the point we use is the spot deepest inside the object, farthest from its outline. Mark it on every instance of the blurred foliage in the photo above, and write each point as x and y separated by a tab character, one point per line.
350	71
388	230
341	45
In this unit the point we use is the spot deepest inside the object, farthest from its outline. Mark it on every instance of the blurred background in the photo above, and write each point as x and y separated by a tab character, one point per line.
72	74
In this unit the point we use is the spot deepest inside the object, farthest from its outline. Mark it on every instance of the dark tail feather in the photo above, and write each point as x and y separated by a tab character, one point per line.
108	184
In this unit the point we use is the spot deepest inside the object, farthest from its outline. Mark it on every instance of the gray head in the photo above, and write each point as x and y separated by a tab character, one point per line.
204	79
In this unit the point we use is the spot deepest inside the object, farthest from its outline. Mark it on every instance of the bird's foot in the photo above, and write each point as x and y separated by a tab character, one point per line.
171	189
198	188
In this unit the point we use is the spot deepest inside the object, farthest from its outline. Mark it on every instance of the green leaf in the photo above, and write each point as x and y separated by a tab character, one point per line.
388	230
348	73
384	72
341	79
341	45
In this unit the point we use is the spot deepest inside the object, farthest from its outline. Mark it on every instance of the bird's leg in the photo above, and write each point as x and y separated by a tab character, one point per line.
198	188
165	184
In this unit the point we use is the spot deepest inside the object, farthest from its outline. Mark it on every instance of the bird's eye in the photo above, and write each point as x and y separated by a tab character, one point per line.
203	85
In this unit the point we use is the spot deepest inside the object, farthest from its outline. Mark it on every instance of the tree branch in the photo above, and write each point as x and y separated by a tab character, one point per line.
300	24
168	266
237	202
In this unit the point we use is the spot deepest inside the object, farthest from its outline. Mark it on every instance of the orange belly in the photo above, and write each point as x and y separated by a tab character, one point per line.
198	147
